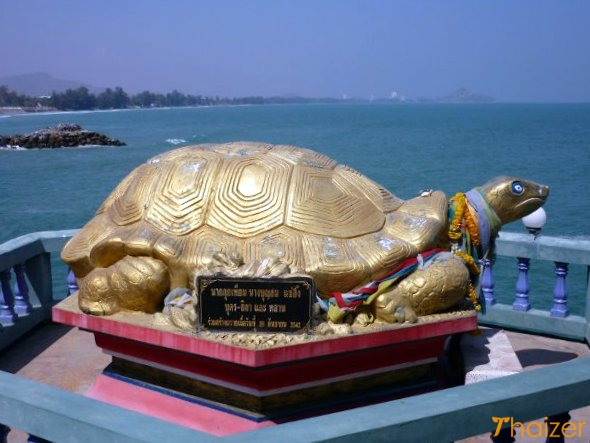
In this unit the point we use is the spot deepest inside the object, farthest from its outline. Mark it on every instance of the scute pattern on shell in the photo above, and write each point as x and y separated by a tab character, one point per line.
257	200
242	189
180	196
252	195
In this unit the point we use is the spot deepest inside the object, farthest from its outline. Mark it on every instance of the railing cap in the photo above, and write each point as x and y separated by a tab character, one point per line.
22	248
563	249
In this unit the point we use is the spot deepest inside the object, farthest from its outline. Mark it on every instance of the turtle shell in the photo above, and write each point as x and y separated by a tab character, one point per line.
258	200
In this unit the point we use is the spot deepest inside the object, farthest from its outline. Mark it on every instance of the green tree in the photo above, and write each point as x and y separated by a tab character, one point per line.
105	99
120	99
8	97
74	99
109	99
175	98
144	99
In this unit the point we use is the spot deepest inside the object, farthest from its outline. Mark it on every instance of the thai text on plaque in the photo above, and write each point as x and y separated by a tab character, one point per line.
256	305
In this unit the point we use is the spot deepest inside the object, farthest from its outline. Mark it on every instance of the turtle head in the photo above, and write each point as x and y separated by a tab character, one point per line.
513	198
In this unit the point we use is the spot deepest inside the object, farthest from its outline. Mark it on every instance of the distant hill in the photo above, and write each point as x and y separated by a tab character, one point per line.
41	83
463	95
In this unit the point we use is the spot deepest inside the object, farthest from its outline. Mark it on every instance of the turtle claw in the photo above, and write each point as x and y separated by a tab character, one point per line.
95	307
393	307
364	319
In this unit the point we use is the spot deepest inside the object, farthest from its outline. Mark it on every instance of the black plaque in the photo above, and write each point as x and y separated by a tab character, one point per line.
256	305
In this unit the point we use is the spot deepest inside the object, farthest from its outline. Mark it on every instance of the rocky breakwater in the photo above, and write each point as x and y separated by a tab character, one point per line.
63	135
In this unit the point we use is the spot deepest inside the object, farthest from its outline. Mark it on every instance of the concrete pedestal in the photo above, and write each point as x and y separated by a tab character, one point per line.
222	389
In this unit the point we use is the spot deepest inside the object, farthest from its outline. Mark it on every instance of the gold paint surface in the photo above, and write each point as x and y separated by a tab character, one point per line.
436	288
323	202
130	206
510	206
251	195
134	283
382	250
203	244
181	195
334	264
251	181
419	221
303	157
251	200
117	192
282	243
76	252
384	200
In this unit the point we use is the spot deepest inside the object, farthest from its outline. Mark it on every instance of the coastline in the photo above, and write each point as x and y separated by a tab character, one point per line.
6	112
21	112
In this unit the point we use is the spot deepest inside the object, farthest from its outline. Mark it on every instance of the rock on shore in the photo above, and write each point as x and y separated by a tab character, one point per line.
63	135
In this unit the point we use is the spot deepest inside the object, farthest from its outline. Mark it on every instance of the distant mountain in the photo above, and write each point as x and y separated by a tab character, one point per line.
41	83
463	95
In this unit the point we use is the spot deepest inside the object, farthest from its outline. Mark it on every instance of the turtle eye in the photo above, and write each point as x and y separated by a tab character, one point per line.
517	188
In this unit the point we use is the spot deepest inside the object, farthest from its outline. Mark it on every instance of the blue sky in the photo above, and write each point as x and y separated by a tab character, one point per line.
513	50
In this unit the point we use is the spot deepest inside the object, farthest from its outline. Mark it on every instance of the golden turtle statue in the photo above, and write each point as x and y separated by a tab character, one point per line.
175	213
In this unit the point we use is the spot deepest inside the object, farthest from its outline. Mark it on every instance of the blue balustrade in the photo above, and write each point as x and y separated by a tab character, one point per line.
559	308
72	283
27	300
487	282
523	287
22	305
7	315
521	315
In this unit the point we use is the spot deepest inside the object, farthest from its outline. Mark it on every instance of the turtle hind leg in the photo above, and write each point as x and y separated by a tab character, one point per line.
434	289
134	283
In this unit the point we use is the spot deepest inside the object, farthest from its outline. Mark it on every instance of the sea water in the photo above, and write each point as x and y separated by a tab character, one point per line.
405	147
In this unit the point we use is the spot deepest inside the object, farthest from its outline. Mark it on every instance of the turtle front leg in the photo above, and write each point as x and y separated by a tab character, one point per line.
441	285
135	283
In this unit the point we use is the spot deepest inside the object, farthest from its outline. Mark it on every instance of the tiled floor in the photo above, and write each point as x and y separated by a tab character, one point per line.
56	355
533	352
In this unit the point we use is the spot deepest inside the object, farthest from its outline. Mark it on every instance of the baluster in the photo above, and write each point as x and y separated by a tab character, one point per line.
559	308
22	305
521	301
487	281
7	315
72	283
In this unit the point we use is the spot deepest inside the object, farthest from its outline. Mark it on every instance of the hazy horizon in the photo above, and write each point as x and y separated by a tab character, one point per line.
530	51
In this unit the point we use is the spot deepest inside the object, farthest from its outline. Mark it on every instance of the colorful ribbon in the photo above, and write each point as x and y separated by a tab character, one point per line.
339	304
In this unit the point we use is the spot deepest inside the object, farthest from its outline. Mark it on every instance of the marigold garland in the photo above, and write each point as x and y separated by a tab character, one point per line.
463	217
455	225
474	298
464	220
469	261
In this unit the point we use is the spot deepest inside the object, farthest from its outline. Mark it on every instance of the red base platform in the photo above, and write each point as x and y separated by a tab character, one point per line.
222	389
